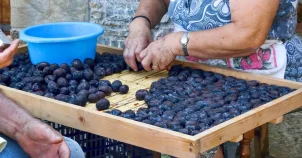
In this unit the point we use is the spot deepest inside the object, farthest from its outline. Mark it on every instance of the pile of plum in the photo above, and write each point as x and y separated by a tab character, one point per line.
191	101
76	84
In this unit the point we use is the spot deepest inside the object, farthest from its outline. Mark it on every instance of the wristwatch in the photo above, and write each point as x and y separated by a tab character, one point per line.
184	42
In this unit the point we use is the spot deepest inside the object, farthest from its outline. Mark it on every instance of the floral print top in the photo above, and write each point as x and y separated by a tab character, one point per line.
195	15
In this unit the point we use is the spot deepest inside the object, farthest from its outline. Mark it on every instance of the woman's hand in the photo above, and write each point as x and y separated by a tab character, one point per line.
39	140
7	55
139	38
159	54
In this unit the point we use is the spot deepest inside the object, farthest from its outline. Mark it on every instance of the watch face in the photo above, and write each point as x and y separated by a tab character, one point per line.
184	40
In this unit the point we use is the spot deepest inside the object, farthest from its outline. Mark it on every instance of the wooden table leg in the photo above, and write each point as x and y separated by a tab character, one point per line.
245	144
156	154
261	142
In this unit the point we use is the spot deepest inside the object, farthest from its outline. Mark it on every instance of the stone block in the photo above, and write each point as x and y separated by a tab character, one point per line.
115	16
26	13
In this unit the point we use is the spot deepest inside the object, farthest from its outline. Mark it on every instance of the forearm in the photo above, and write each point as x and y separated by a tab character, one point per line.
223	42
12	117
153	9
239	38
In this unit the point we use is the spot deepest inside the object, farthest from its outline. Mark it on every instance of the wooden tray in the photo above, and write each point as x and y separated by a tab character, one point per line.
148	136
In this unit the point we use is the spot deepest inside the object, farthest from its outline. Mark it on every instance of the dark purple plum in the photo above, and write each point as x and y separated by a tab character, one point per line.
124	89
116	85
106	89
77	64
140	94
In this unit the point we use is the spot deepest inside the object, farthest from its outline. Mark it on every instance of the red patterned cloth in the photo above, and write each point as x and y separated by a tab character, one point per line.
262	59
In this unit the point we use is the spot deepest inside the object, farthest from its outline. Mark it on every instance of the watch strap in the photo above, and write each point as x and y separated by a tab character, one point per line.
184	45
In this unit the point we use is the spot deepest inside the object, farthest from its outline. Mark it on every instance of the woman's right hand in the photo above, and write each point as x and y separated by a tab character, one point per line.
138	39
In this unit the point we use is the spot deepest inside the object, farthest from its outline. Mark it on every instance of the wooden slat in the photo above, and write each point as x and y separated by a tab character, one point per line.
1	12
245	144
299	28
103	48
277	120
5	11
236	139
261	142
299	24
22	49
299	13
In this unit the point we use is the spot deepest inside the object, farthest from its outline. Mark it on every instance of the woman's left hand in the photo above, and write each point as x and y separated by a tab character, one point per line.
160	53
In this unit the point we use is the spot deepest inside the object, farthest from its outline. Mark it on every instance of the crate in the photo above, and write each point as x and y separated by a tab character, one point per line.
95	146
150	137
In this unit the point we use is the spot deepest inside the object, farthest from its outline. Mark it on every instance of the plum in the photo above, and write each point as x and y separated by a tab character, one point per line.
88	74
94	97
116	112
53	87
124	89
62	82
42	65
116	85
77	64
59	73
65	67
140	94
90	62
106	89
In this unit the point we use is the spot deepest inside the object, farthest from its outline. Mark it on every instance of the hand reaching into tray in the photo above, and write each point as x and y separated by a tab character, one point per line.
155	55
161	53
139	38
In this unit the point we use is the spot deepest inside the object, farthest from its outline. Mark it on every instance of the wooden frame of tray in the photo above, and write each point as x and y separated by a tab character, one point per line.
151	137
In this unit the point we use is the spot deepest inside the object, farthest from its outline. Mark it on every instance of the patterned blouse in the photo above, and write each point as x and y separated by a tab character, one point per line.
195	15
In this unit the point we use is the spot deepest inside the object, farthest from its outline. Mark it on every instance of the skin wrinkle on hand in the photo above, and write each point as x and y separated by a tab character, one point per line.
14	119
146	8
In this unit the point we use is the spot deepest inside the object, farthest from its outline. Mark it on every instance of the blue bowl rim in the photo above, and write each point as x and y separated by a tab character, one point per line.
32	39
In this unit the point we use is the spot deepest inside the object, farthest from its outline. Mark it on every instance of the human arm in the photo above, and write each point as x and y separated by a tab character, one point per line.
35	137
251	23
154	10
7	55
139	29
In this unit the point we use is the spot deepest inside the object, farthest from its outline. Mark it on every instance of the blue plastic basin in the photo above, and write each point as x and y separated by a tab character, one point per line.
61	42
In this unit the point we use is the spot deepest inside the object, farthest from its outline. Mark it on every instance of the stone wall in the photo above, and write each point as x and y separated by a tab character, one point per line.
115	16
26	13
